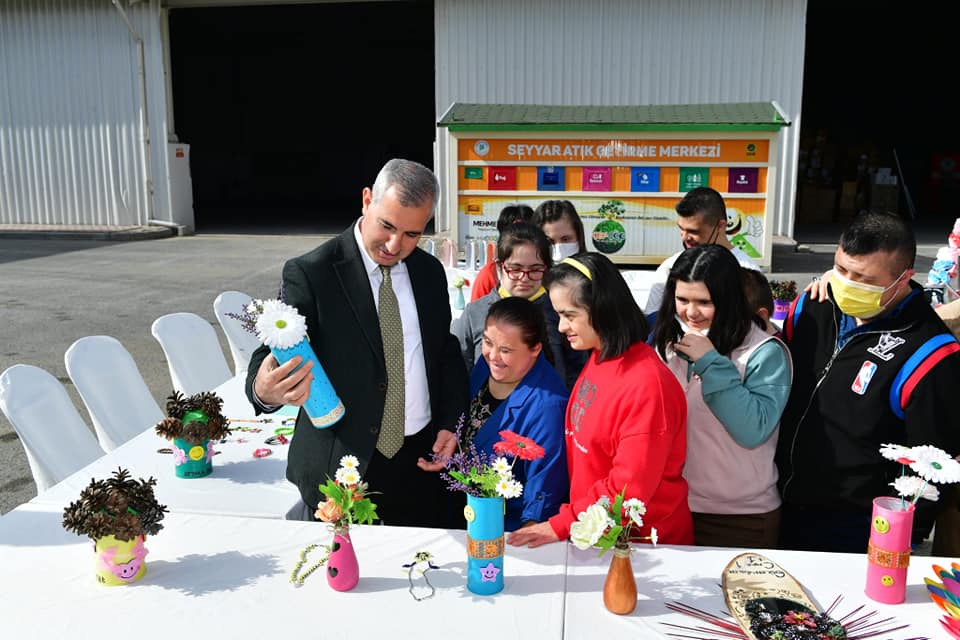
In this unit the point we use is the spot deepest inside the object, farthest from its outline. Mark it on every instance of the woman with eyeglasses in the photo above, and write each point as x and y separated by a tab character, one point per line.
523	256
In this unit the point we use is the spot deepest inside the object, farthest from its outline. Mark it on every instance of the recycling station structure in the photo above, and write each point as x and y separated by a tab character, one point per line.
623	168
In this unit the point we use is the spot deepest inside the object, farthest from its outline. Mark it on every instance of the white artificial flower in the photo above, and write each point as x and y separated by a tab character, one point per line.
350	476
501	466
516	489
589	526
273	305
636	517
604	502
653	536
935	465
340	475
910	486
280	326
895	452
350	462
635	504
503	486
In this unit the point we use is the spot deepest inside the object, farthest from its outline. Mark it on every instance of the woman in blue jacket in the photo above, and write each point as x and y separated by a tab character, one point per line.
514	387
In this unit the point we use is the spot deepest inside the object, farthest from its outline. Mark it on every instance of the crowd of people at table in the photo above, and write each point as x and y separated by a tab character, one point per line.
732	431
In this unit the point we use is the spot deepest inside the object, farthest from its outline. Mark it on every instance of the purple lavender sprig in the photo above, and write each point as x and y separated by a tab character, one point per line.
248	315
461	463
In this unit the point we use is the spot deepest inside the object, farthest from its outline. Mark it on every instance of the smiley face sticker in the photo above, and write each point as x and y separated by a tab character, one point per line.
469	514
887	581
881	525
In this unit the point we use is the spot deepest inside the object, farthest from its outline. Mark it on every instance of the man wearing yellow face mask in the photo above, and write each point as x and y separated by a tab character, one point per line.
873	364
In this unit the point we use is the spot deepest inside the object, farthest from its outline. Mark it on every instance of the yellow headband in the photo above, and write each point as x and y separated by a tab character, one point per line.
579	266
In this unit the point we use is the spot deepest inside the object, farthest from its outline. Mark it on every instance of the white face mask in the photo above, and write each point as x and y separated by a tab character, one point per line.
562	250
687	329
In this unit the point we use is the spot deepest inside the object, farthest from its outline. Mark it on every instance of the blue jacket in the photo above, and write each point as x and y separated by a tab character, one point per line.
534	409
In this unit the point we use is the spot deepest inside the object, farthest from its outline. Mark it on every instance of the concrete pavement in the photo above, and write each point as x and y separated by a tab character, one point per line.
54	290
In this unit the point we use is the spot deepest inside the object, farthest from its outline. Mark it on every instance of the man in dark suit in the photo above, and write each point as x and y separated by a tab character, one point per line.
400	407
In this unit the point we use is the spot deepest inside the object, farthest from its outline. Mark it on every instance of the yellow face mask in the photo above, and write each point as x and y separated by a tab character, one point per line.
857	299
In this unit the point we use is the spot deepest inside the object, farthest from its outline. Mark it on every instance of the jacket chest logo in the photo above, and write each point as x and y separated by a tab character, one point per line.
885	345
862	381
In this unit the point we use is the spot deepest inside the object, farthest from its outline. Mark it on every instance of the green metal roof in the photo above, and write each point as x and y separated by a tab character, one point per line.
734	116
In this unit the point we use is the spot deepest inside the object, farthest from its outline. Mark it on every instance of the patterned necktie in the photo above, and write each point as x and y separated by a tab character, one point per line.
391	331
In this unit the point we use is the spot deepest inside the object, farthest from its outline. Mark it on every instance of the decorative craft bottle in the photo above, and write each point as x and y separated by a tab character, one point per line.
620	587
323	404
459	302
192	460
484	544
343	571
888	552
120	562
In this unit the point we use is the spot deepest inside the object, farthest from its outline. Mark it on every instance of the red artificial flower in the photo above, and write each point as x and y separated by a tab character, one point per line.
518	446
466	282
905	460
798	617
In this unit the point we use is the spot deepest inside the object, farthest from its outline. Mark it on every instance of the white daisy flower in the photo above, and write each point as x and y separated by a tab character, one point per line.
895	451
503	487
516	489
340	475
280	326
935	465
350	476
589	526
501	466
910	486
350	462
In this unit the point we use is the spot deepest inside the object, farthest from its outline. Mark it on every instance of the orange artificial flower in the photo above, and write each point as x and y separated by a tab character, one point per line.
328	511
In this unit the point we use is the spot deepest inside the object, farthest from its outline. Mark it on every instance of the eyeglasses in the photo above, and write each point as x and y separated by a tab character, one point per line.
534	273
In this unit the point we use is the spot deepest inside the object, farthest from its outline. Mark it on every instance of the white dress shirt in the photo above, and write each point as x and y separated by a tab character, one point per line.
417	403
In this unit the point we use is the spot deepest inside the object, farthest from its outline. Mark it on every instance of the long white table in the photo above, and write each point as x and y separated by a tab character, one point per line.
240	485
223	577
691	575
230	576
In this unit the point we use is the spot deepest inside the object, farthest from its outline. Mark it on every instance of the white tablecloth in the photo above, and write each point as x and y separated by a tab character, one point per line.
691	575
219	577
240	485
228	577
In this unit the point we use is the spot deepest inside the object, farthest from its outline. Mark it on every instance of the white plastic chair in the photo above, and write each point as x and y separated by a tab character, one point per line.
242	342
193	352
54	436
120	404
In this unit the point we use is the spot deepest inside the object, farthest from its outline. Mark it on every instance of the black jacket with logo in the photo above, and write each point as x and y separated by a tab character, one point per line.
896	380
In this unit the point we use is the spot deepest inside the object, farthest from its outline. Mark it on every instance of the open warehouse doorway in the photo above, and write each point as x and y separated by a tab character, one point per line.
290	110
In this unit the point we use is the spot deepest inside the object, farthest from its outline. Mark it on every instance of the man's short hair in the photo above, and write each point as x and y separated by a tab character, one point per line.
705	202
757	288
416	185
872	231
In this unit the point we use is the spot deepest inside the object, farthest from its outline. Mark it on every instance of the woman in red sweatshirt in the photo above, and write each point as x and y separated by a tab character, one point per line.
625	425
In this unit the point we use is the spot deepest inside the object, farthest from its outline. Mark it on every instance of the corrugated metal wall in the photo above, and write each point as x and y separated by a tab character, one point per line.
614	52
71	149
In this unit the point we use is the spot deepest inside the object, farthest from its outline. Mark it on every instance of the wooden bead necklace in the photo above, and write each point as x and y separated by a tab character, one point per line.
297	580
